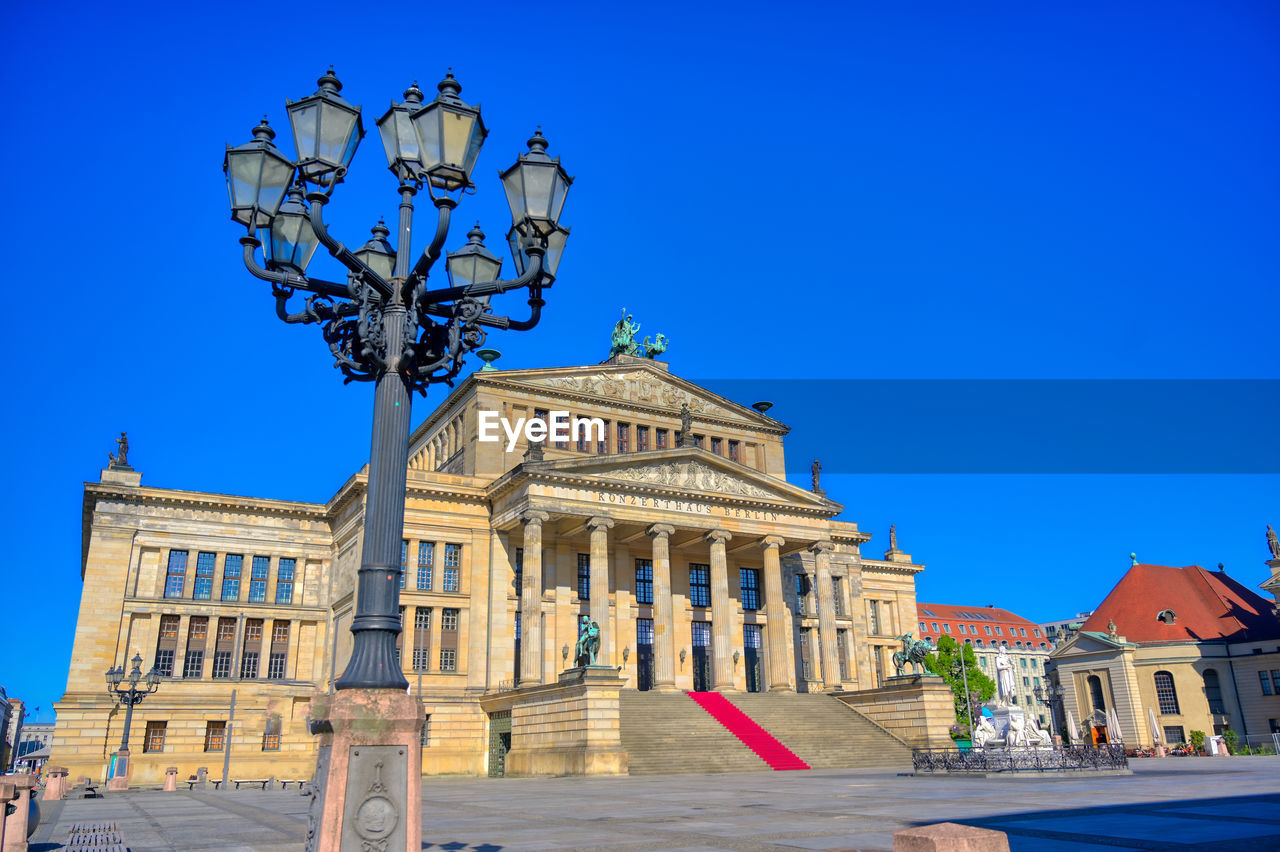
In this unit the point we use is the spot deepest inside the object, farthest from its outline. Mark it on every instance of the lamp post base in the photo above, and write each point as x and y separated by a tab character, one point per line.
367	792
120	771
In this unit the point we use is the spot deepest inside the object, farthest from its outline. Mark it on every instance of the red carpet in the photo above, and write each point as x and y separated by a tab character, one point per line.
752	735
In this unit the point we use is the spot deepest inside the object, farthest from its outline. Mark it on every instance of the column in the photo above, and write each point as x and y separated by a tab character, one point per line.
826	616
499	666
531	599
780	668
600	584
664	666
721	612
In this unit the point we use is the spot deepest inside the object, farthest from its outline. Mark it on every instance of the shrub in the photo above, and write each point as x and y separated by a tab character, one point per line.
1197	740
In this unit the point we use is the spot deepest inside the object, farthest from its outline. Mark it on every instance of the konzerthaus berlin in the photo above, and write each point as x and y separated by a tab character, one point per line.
705	569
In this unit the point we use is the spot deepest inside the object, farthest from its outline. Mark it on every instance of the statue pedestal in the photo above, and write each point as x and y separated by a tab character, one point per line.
918	709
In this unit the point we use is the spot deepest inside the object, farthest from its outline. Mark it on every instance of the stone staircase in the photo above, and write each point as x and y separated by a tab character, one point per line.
667	732
822	731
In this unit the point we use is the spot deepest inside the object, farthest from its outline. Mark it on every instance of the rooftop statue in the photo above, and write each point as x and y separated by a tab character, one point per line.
122	460
815	471
623	340
1273	543
893	536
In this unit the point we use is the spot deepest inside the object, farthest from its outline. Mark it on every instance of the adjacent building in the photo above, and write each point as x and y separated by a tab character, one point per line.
1058	632
1174	650
672	526
987	629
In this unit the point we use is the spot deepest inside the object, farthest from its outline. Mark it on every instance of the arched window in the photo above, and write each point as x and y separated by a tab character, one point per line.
1166	694
1095	693
1213	691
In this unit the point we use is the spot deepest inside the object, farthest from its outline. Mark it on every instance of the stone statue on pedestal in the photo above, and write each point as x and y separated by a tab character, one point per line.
1004	676
1273	543
121	462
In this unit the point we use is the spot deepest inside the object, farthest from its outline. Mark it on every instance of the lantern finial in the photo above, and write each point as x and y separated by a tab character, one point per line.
330	81
475	236
413	94
537	142
449	87
264	131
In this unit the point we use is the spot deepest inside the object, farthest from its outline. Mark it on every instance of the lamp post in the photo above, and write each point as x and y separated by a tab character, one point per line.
128	697
1050	695
385	324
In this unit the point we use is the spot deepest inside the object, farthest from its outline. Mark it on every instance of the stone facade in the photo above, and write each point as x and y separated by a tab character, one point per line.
687	558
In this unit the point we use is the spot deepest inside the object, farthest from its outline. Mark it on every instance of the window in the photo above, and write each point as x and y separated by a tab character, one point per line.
176	575
700	632
923	628
624	435
215	736
837	595
802	593
602	445
1095	693
998	633
404	560
284	580
1024	662
960	628
873	618
935	627
203	589
1266	683
221	664
1026	681
426	731
700	585
517	569
988	627
1174	735
583	437
421	639
452	559
806	665
584	576
1036	630
733	451
449	619
426	550
1275	680
1166	694
946	628
642	438
750	580
448	659
258	579
231	576
1022	631
167	645
249	664
644	631
698	440
279	650
717	446
982	661
164	662
154	740
660	437
271	737
841	653
193	665
1034	662
644	581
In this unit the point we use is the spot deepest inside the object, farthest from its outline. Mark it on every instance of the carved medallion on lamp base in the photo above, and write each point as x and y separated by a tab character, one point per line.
367	791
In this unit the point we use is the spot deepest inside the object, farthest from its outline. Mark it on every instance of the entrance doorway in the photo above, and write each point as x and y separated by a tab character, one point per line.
644	653
701	656
751	657
499	742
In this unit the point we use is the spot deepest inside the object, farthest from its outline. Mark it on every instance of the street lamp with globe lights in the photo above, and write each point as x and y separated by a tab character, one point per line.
129	696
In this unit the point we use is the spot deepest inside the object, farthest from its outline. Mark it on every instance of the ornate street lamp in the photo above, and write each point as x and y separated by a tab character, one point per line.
1050	695
383	324
129	697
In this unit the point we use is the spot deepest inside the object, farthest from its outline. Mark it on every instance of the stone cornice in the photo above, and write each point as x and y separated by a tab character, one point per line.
881	566
94	492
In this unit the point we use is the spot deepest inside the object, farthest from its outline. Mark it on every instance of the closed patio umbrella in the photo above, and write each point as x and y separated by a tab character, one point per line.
1113	726
1155	729
1071	729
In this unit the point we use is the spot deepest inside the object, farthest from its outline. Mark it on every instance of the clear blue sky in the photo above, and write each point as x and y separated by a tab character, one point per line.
830	191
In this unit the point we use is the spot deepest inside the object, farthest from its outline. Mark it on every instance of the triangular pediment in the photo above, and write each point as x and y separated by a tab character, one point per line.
1088	642
683	471
636	382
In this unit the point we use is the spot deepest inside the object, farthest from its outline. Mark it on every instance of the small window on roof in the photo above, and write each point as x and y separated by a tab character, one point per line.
1167	616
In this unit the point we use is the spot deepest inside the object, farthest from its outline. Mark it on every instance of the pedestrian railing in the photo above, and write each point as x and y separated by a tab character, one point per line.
1109	756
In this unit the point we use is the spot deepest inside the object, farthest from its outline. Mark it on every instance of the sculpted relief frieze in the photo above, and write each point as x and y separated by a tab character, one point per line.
636	386
692	475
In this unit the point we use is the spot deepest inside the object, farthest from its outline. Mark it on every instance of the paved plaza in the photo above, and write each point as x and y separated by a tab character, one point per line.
1175	803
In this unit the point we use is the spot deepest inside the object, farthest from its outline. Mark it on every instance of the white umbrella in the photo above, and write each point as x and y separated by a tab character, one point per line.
1155	729
1113	726
1071	728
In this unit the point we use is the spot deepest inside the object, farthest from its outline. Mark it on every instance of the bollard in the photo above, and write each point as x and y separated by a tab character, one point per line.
202	777
19	825
171	779
950	837
55	787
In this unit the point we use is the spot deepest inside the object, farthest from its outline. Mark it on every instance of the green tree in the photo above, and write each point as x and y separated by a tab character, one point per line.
1231	738
1197	740
945	661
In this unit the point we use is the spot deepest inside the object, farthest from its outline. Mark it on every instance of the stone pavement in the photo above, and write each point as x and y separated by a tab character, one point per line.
1176	803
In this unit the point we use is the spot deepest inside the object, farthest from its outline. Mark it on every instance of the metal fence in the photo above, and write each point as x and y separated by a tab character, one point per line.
1111	756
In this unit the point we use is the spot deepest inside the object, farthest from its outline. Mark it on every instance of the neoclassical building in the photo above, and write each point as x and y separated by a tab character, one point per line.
704	568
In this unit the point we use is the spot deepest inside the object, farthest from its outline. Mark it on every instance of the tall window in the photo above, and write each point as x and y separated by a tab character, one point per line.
1266	683
231	576
167	645
215	736
582	436
642	438
258	579
644	581
154	740
224	648
517	569
750	582
602	445
197	636
279	650
448	640
404	560
660	438
176	575
701	633
842	653
733	451
700	585
284	580
802	593
717	446
873	618
806	666
252	648
1166	694
644	631
448	659
421	639
837	593
1095	693
426	551
624	437
271	737
584	576
452	559
203	589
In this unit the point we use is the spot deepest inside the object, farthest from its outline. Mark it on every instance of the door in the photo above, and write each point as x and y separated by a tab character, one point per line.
701	656
644	653
499	742
751	657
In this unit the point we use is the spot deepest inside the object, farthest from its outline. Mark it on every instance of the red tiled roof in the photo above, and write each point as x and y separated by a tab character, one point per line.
979	617
1207	605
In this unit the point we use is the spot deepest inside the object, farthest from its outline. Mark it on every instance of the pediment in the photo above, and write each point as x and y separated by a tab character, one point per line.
688	470
1089	643
639	384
